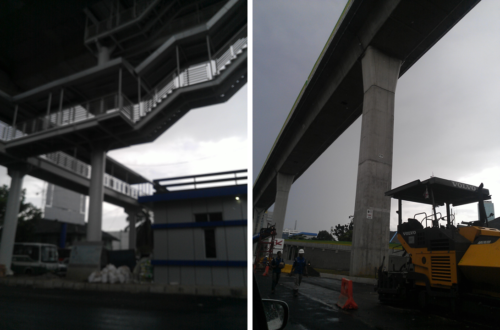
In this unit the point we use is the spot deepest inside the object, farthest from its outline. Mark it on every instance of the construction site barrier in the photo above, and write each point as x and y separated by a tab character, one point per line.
346	300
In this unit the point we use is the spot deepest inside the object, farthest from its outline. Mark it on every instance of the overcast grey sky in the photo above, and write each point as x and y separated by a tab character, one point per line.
205	140
446	111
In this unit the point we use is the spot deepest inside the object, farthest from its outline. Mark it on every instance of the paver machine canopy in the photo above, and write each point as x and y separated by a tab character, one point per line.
441	260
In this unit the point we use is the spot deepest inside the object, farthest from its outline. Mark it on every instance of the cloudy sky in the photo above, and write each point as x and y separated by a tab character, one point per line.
447	109
206	140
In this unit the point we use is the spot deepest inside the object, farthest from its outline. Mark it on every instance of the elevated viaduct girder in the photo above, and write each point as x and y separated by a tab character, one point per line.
333	95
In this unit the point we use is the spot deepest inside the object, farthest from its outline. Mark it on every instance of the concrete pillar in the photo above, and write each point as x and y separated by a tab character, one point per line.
257	219
132	236
372	209
103	55
283	184
10	220
96	194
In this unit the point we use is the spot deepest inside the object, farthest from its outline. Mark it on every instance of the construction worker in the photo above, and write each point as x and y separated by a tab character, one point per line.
299	268
276	265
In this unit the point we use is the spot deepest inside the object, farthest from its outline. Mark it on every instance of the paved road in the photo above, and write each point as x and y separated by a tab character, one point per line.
315	308
31	308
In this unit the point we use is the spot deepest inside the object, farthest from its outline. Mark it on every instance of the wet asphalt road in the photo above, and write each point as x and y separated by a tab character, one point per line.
315	308
32	308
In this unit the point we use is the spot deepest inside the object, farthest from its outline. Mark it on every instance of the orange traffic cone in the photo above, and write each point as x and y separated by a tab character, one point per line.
266	272
346	300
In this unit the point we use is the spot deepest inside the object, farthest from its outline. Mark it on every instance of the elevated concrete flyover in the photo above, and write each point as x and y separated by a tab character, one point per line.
373	44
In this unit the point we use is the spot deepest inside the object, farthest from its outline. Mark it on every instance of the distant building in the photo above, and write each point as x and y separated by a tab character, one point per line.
122	240
64	205
200	235
289	232
302	234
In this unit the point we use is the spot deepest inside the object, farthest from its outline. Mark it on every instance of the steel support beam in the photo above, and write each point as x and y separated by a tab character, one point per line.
10	219
96	194
14	122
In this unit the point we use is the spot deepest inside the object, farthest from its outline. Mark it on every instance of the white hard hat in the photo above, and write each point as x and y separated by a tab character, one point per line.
301	251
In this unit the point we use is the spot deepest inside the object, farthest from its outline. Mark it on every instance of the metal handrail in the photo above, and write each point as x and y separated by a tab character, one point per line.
195	74
78	167
111	103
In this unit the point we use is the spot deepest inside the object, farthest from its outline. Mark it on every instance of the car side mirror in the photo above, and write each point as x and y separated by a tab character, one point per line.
276	313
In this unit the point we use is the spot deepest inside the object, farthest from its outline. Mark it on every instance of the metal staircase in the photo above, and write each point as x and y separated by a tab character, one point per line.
117	102
195	74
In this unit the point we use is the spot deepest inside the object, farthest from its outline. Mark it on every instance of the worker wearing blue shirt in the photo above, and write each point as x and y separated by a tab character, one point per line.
276	265
299	268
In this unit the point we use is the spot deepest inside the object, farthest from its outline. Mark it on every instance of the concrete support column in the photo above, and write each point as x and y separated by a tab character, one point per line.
283	184
372	209
132	236
10	220
257	219
96	194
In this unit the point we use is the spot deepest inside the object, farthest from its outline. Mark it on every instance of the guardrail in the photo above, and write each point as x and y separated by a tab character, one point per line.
76	166
107	104
118	102
193	75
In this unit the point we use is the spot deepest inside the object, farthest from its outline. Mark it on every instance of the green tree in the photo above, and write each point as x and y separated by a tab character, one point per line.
27	218
323	235
343	232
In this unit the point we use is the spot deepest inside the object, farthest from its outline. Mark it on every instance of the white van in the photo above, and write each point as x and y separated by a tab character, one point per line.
34	258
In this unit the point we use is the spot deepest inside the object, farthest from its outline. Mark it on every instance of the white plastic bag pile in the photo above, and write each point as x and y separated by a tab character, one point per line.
111	274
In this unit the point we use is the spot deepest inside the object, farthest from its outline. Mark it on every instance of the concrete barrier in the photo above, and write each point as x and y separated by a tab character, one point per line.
127	287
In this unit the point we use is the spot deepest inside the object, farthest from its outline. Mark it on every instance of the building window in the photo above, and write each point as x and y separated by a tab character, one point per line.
206	217
201	217
210	243
215	217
